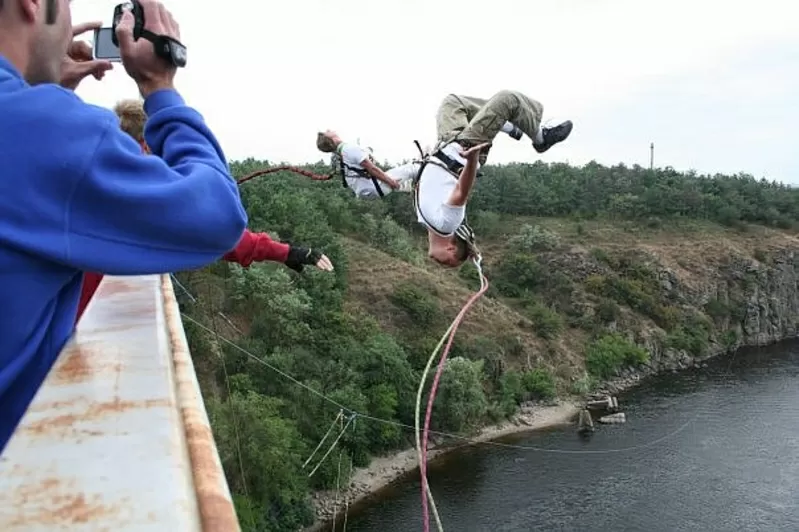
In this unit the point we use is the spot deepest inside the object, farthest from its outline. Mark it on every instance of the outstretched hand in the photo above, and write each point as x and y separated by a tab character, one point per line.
79	61
324	264
299	257
474	151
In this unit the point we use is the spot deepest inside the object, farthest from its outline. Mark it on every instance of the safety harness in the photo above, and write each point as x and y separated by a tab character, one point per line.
360	172
463	232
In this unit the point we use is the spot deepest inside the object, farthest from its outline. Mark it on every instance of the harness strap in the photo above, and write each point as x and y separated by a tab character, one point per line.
425	161
451	164
453	167
360	172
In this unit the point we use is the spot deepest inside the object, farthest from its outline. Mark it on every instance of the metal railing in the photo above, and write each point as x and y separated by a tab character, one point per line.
117	437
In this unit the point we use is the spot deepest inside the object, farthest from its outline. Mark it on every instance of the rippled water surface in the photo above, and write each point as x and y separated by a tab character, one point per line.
717	449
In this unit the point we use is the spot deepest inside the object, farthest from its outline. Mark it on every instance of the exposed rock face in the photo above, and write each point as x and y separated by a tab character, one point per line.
762	298
751	302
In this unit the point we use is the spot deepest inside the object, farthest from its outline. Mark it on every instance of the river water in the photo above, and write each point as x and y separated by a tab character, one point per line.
713	449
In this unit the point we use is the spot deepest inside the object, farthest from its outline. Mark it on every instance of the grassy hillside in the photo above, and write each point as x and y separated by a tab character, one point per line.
596	273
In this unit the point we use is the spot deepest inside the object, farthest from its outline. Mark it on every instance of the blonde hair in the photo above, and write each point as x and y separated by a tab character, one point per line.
325	144
131	118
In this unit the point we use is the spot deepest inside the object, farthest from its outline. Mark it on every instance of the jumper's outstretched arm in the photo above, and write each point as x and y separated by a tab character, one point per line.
460	195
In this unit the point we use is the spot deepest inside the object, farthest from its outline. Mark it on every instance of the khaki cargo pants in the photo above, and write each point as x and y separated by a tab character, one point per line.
476	120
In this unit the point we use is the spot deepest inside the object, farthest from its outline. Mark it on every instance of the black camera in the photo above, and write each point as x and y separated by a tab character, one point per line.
165	47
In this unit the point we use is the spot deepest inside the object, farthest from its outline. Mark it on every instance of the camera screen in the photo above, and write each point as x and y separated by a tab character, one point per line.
104	47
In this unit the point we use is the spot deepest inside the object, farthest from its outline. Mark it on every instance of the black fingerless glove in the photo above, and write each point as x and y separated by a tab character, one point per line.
299	257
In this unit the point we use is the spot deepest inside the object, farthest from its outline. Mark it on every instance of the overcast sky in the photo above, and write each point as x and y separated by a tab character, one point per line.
714	84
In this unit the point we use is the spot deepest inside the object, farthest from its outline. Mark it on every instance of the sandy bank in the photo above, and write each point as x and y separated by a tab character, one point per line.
384	470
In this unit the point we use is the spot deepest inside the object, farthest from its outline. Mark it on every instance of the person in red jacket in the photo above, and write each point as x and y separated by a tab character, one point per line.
253	247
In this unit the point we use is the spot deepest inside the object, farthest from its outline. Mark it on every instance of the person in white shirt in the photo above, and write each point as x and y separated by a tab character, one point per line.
440	197
358	171
466	128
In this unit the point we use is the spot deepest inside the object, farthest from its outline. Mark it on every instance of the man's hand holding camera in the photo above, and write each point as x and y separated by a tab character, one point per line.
148	70
79	62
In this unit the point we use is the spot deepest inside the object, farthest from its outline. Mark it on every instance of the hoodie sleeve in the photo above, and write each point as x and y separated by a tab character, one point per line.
257	247
135	214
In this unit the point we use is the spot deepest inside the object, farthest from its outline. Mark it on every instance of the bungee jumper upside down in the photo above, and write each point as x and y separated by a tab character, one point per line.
442	183
443	180
358	170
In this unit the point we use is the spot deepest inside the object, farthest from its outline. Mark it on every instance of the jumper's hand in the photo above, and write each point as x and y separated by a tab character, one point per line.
474	151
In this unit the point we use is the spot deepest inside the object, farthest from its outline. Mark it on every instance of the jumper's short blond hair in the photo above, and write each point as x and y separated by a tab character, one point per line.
131	118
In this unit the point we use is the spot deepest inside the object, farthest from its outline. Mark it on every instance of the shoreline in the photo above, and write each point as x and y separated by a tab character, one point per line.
382	471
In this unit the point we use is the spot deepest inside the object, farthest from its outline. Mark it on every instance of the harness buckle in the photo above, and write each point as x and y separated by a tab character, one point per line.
466	233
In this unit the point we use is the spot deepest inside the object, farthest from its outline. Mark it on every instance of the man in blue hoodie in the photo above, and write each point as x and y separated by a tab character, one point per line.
77	194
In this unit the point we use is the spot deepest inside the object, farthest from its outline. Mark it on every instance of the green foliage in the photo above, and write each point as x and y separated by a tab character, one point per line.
511	391
420	305
307	326
534	238
546	322
386	235
519	274
611	352
539	384
607	311
584	385
729	339
633	284
487	223
635	193
516	387
691	335
267	442
460	403
278	308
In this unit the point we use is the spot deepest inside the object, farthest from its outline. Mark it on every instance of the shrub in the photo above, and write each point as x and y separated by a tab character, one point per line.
607	311
547	323
607	354
535	238
539	384
418	304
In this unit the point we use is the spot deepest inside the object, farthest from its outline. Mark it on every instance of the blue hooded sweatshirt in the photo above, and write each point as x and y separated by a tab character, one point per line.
77	194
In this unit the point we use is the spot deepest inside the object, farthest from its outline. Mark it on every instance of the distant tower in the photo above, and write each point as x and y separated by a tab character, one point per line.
651	155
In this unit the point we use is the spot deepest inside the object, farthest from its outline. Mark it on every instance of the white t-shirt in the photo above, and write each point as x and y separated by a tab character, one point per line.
435	188
353	155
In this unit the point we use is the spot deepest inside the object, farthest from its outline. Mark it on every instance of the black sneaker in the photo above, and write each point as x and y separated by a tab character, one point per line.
553	135
516	134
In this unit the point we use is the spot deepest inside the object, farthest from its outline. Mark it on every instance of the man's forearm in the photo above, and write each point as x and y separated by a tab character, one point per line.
461	193
380	175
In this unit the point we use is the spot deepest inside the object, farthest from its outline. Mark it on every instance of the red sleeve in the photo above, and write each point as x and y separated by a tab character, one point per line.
90	283
257	247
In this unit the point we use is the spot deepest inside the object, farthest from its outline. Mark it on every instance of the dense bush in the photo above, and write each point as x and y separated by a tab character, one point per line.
611	352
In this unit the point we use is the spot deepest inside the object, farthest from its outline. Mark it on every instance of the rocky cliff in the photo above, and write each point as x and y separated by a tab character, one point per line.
707	298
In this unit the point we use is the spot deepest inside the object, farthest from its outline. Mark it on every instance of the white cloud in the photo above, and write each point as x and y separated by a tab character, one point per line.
267	77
